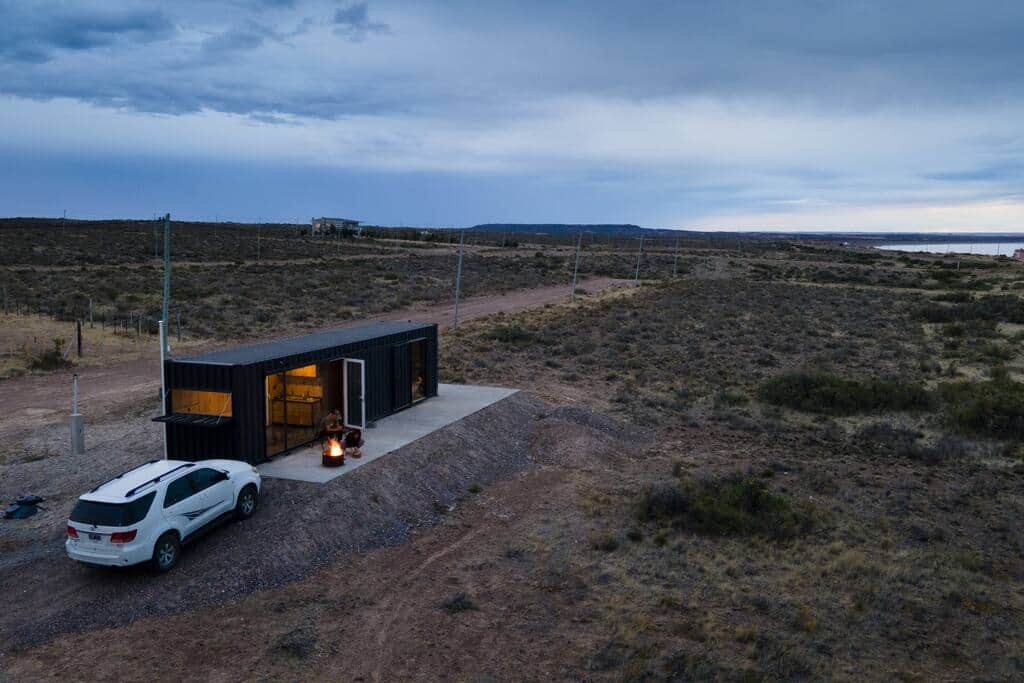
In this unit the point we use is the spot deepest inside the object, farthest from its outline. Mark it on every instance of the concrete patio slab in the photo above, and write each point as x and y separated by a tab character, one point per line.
453	402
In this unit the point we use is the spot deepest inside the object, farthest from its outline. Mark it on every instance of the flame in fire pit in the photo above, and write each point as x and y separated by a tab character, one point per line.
333	448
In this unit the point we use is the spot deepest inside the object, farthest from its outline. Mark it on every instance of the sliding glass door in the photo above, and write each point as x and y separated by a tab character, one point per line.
275	411
294	407
418	374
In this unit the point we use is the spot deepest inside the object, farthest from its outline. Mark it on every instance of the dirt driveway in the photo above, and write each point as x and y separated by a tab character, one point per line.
35	401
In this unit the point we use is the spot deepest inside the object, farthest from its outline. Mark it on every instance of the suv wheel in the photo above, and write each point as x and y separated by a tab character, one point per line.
165	553
246	505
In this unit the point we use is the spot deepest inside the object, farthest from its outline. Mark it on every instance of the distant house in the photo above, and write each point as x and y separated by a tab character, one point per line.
324	225
1019	254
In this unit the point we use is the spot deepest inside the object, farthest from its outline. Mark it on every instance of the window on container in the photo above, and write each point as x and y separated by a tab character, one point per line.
198	402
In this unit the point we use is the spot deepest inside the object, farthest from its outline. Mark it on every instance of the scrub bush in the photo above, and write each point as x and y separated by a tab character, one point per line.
730	505
991	408
816	391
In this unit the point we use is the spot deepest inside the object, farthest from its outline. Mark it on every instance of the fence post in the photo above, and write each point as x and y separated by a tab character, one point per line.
639	253
77	424
576	268
458	280
675	261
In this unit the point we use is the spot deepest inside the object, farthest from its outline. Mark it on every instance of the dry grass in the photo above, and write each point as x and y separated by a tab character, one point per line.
902	562
26	338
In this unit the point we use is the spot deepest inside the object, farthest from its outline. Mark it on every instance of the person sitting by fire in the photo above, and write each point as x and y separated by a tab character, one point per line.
331	425
354	442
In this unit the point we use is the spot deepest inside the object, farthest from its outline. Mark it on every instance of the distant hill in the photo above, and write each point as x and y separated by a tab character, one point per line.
624	230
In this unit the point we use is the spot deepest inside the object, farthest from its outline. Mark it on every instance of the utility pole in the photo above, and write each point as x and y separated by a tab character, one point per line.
576	268
167	281
258	220
675	261
458	279
63	218
163	375
639	253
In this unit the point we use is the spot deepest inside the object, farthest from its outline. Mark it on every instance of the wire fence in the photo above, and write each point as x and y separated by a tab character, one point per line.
98	271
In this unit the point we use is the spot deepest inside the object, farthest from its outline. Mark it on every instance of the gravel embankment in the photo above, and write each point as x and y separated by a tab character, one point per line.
298	528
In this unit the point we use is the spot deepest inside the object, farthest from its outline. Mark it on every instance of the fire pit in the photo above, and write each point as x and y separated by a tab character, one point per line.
333	453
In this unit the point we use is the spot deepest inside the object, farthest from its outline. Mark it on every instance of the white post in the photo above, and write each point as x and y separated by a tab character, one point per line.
576	268
675	262
639	253
458	279
163	377
77	425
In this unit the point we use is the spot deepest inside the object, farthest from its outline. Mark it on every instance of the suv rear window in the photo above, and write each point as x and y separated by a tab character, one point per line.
112	514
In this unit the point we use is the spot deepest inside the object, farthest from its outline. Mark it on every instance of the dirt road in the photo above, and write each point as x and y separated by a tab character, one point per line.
35	401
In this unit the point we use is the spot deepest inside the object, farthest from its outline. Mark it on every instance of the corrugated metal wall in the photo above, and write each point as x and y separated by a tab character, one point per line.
245	437
189	442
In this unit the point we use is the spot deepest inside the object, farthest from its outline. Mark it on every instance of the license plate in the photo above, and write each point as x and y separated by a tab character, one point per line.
94	537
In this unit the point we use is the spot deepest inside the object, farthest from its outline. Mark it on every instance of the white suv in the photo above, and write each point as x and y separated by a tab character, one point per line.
145	514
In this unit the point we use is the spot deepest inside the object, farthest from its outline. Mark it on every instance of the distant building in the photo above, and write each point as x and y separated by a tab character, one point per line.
1019	254
322	225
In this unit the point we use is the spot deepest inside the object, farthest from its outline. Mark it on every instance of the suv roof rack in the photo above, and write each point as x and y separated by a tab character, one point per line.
132	492
94	490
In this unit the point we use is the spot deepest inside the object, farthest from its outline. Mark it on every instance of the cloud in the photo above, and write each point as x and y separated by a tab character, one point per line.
33	34
999	215
354	21
716	109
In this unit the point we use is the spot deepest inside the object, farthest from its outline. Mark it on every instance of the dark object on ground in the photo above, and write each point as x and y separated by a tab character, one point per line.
458	603
23	507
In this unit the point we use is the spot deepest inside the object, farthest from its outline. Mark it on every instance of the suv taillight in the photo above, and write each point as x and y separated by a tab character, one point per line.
72	532
123	536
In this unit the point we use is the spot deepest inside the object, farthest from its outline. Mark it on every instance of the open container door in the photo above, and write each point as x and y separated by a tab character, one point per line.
355	393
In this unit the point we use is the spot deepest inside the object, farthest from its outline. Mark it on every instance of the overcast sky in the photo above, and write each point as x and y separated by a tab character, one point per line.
812	114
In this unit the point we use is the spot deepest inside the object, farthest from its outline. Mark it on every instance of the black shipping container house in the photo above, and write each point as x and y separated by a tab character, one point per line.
256	401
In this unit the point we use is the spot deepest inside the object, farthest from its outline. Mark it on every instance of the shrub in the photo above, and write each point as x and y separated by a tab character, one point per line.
1001	308
903	443
888	437
459	602
958	297
937	313
52	359
992	408
822	392
604	542
729	505
513	333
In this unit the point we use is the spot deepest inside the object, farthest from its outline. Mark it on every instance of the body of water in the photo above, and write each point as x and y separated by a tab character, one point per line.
989	248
